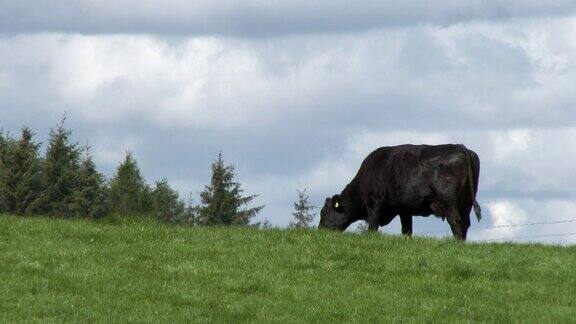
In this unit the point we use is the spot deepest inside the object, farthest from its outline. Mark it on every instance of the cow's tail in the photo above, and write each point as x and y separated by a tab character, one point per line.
477	209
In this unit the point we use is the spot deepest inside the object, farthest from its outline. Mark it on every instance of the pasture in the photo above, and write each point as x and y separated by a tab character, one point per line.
139	270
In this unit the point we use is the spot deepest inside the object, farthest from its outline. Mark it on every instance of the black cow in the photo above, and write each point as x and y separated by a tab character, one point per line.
409	180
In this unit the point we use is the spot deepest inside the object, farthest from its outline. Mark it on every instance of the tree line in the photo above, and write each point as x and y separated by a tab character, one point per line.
65	183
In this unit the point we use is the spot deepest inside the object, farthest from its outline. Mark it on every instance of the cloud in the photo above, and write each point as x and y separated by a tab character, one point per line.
110	151
365	142
255	18
504	213
542	220
476	76
509	144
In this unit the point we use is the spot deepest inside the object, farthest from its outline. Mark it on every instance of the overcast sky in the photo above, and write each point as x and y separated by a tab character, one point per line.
297	93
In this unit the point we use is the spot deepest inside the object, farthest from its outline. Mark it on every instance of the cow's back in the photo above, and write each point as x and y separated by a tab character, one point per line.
401	174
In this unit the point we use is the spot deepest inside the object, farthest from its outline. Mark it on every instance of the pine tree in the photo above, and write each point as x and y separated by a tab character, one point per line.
29	185
146	206
6	143
8	176
61	168
129	194
166	203
20	177
4	140
90	198
221	201
303	215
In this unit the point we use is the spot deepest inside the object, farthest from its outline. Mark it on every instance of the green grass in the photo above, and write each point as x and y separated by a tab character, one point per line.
77	271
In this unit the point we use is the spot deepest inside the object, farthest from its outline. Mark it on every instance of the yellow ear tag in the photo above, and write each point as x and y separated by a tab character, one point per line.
336	205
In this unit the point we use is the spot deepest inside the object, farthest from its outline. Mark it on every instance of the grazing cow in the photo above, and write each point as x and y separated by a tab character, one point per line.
409	180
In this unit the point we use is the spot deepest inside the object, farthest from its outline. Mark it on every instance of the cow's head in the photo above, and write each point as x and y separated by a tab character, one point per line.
333	215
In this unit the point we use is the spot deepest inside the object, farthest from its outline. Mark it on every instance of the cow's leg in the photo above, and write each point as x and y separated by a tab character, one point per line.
451	213
465	217
372	227
376	219
406	221
373	219
455	223
373	215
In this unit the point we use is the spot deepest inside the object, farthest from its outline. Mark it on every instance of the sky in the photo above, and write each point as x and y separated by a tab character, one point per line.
296	93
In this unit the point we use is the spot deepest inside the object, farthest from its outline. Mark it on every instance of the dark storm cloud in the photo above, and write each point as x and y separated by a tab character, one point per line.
254	18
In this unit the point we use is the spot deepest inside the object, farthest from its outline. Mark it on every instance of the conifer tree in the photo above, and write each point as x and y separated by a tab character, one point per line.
222	200
7	174
20	174
129	194
166	203
5	142
146	199
90	198
61	168
303	215
3	146
29	177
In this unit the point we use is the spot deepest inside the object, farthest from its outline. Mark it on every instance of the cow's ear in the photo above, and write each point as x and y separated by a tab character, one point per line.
336	202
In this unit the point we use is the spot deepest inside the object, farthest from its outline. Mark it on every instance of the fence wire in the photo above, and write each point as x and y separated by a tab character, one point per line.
523	237
512	225
504	226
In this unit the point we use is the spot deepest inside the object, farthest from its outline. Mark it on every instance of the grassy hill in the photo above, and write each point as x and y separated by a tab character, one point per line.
58	270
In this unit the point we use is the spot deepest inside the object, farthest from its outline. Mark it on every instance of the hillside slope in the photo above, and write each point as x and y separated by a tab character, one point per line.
60	270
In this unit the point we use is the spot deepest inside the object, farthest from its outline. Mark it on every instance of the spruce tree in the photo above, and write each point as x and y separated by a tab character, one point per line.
166	203
29	185
129	194
146	200
303	215
5	144
20	174
90	198
222	200
61	168
7	174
